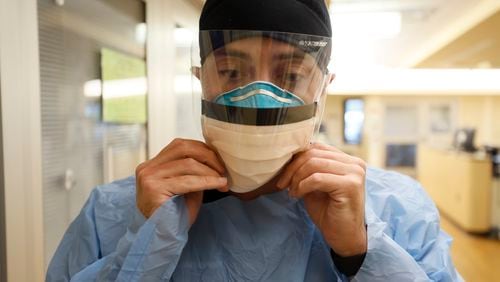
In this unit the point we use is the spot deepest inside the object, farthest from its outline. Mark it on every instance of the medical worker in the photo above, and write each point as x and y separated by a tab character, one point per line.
258	200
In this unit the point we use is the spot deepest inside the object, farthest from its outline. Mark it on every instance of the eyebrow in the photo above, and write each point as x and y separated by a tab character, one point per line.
223	52
292	55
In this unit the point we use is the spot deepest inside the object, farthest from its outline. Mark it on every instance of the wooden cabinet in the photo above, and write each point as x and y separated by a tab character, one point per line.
460	183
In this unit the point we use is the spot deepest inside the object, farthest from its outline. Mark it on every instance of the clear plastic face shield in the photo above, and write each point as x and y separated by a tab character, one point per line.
262	99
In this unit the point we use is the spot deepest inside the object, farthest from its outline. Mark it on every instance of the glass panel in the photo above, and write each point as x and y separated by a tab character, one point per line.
79	151
354	117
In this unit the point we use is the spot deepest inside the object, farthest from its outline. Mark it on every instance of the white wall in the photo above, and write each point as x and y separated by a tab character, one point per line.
480	112
21	139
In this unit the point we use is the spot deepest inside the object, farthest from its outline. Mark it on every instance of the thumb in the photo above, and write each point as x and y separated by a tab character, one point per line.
193	203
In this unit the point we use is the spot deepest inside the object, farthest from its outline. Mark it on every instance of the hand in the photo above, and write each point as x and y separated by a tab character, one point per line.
332	185
184	167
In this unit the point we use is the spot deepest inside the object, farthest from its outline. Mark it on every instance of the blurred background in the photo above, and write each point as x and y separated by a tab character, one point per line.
91	88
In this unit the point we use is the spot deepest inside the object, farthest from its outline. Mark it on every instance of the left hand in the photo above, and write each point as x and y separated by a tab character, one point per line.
332	184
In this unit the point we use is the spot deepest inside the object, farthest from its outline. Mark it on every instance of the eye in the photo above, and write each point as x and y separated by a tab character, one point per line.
231	74
292	77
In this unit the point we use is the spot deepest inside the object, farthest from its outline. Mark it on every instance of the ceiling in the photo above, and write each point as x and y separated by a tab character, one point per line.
414	33
477	48
421	33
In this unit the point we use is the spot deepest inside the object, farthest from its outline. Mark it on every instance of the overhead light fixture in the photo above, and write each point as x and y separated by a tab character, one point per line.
374	25
356	36
183	37
120	88
382	6
92	88
141	31
186	84
418	82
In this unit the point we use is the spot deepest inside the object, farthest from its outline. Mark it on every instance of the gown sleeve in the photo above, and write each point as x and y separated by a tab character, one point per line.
148	250
405	241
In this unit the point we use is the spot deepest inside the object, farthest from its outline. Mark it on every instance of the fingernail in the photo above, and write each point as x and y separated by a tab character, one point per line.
222	180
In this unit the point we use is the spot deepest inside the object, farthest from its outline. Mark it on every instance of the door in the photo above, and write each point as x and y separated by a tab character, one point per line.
88	48
3	251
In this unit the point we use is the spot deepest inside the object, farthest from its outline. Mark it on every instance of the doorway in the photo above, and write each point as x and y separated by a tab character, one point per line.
91	53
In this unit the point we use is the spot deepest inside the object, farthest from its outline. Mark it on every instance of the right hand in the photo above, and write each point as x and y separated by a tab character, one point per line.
184	167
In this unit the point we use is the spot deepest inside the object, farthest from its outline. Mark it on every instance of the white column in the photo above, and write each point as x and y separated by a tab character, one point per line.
160	71
162	17
21	123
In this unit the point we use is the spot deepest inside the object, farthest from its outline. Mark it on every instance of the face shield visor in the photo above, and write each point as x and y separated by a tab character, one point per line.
262	98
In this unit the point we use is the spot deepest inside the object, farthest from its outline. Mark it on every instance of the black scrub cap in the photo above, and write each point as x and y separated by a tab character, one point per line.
304	17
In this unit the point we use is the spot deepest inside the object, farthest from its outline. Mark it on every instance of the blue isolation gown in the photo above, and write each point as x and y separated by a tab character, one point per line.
270	238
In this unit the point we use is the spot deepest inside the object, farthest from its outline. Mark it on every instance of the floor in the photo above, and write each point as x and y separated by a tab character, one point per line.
476	258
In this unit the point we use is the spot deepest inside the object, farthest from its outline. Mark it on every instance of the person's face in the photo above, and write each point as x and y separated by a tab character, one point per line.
261	59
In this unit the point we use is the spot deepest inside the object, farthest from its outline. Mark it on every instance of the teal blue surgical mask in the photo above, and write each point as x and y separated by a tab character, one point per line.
259	94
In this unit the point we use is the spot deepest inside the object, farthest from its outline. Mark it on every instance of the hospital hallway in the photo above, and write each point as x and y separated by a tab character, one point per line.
476	257
92	89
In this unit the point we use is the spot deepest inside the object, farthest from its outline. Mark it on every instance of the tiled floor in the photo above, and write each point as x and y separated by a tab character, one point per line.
476	258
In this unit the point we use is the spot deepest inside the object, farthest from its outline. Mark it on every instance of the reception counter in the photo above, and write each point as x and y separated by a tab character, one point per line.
460	183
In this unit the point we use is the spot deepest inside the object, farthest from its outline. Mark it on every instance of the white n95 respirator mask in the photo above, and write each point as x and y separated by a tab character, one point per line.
261	99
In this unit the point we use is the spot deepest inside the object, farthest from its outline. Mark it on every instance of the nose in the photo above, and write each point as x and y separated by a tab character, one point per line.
263	71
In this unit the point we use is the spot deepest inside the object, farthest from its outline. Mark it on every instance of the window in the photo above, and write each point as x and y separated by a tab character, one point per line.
354	118
400	155
79	150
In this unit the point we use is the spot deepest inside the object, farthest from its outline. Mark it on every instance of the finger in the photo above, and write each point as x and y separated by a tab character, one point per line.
192	183
301	158
323	165
297	161
339	155
326	147
180	167
329	183
193	204
183	148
